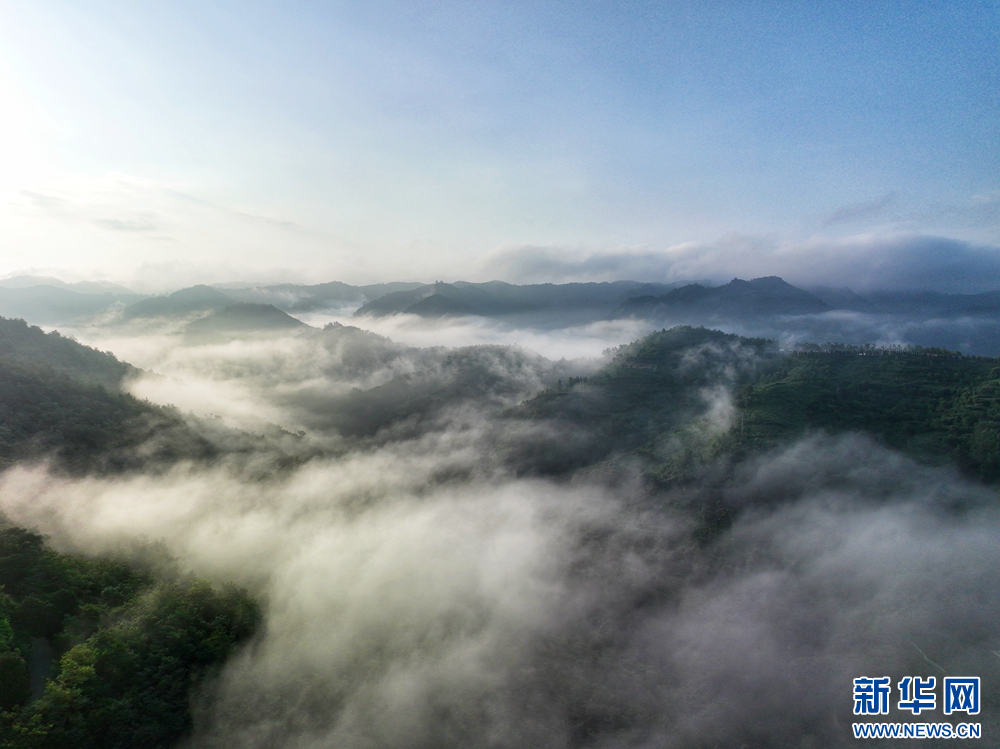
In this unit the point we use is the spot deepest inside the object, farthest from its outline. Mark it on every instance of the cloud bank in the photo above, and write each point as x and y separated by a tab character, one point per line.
866	262
421	589
407	611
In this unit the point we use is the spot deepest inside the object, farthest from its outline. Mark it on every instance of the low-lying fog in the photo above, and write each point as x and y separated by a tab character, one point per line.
280	378
407	611
418	593
283	378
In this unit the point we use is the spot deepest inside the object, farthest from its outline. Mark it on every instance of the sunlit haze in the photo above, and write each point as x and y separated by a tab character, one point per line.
164	144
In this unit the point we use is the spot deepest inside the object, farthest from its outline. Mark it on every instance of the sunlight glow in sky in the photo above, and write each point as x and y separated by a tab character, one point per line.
167	143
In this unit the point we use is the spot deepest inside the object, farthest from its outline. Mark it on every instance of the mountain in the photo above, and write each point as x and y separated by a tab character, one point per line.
83	428
681	483
28	346
738	299
444	299
935	405
305	298
932	303
286	297
62	401
48	305
24	282
640	404
81	287
184	302
497	299
652	403
378	290
126	653
431	383
841	298
244	318
299	298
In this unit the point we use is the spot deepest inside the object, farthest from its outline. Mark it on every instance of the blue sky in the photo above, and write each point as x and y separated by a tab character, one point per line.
180	142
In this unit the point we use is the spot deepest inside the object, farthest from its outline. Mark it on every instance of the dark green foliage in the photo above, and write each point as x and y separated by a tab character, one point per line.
971	422
25	344
85	427
47	593
650	390
130	684
935	405
649	403
133	651
61	400
14	690
472	374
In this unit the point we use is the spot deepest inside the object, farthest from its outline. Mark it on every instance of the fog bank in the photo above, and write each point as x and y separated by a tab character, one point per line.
407	609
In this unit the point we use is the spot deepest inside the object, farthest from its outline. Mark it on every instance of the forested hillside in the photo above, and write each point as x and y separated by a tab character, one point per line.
652	390
23	344
62	401
655	401
125	653
935	405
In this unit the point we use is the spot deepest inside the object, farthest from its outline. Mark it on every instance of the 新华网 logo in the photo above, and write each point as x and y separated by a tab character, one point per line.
960	694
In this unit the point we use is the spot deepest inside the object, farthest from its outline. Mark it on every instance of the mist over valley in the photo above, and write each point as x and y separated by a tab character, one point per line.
669	535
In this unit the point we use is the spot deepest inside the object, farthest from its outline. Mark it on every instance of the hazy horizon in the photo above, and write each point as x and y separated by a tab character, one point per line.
173	144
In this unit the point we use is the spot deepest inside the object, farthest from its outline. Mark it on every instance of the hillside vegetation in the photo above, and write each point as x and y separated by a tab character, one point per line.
663	400
97	653
934	405
61	401
126	655
652	390
27	345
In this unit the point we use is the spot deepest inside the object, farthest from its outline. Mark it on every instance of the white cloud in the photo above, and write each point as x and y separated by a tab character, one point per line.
863	262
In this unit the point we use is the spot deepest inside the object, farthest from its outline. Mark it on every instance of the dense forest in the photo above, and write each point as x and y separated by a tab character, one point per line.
64	403
935	405
125	652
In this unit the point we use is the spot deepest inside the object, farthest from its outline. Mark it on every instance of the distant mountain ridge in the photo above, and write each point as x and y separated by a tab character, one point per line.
82	287
222	316
50	305
192	299
245	317
496	298
49	301
304	298
970	322
758	297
